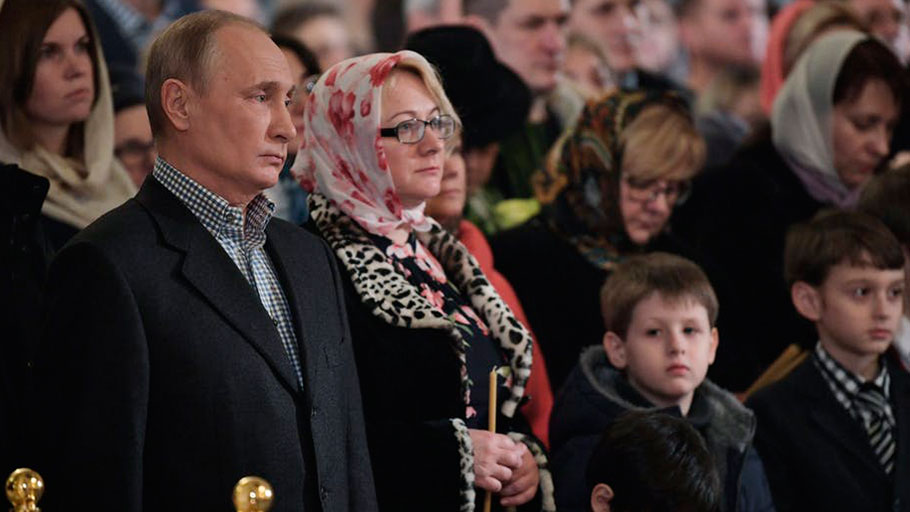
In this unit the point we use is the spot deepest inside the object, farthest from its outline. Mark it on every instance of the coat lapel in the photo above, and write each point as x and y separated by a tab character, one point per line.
830	417
306	322
900	398
208	268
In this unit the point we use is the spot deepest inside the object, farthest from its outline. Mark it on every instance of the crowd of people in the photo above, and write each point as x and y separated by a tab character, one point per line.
535	255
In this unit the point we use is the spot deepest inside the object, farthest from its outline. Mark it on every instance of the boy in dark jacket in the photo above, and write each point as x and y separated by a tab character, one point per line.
835	433
659	312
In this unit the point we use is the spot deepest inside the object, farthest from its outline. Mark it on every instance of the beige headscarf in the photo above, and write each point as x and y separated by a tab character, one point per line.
801	120
80	191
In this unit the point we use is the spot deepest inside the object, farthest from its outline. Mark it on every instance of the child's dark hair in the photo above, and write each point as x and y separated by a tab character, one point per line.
887	198
635	279
654	462
836	236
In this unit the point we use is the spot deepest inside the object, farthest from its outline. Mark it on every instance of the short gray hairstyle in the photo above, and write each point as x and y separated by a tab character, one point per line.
185	51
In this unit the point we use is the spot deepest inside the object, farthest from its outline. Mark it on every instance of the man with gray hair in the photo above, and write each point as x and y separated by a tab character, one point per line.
191	339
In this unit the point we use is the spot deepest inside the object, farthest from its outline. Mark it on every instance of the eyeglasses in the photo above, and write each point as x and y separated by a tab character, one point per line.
648	191
310	82
412	130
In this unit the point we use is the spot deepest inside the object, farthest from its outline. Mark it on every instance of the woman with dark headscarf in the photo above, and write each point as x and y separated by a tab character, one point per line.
607	190
830	131
426	325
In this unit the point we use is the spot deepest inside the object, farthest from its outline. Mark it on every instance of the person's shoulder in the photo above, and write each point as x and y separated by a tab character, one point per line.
127	227
789	392
294	233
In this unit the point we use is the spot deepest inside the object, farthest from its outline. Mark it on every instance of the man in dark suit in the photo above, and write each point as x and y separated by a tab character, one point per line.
191	339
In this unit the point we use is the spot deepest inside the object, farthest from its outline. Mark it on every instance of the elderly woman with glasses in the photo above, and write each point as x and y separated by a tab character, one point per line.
607	191
426	326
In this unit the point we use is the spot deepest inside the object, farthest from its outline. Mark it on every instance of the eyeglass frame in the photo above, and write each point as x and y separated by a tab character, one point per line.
682	192
394	131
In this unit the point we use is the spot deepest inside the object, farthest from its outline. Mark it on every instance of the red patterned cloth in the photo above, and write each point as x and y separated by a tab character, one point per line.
340	153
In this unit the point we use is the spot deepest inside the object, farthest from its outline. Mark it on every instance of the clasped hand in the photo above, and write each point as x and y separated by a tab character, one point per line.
504	466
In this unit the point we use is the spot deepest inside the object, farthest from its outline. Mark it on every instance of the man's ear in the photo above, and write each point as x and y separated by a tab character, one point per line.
601	497
175	99
807	300
616	350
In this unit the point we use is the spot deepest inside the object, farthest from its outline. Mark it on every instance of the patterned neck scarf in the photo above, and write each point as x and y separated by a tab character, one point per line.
341	154
578	188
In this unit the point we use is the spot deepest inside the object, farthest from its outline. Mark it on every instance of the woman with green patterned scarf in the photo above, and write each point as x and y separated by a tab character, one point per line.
607	191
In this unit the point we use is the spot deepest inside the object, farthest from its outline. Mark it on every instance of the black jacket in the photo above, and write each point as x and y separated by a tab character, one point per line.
25	254
739	216
818	457
596	394
410	360
162	379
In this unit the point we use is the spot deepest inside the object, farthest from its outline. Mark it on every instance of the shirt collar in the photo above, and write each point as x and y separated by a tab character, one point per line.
214	212
846	381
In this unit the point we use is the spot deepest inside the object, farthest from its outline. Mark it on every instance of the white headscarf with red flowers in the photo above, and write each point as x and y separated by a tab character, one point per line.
341	156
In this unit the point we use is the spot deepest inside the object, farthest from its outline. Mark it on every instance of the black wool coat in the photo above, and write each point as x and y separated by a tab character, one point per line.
162	379
412	362
25	254
817	457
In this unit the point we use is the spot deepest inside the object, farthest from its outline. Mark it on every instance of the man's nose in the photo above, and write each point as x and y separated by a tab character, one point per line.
282	126
553	39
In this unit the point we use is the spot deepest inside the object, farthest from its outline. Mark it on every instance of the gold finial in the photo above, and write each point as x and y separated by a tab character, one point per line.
252	494
24	488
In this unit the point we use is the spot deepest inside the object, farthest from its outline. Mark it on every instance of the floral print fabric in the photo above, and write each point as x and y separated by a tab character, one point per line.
423	271
579	190
341	155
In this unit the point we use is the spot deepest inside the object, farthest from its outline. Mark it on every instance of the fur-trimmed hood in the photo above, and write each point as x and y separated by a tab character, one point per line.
591	399
390	297
731	423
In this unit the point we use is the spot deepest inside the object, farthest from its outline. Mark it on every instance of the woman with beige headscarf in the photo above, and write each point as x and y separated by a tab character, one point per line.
830	131
56	113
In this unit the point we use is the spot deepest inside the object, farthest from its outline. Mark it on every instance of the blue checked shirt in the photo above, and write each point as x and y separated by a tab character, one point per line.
243	239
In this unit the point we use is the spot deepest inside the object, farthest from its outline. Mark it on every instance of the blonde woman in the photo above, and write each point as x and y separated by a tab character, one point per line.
426	325
607	191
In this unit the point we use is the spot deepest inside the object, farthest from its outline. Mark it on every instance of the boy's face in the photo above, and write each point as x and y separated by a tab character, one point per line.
667	349
857	309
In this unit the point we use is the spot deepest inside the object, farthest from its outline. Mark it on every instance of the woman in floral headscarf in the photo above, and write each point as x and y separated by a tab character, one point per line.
607	190
426	325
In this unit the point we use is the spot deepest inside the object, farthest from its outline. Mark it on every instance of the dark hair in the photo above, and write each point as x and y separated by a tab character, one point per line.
23	25
836	236
307	58
887	198
654	462
289	19
869	60
186	51
635	279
